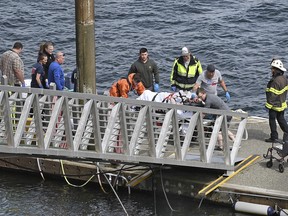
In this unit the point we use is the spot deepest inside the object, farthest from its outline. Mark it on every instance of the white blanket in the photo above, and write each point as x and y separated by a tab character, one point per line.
168	97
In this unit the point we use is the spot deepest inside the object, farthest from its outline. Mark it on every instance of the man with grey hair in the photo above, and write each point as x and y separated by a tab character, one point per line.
56	73
12	65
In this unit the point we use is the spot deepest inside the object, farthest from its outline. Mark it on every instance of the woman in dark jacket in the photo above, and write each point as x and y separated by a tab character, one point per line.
47	48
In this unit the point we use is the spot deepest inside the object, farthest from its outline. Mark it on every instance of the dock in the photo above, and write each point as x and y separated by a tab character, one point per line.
257	183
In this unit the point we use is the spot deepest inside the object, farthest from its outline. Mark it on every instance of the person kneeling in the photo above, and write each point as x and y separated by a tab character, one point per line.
123	86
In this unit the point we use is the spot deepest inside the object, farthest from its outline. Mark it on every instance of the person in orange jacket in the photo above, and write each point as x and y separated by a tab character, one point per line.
123	86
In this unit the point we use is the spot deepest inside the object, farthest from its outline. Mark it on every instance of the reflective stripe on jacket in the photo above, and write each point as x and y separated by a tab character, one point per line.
184	78
276	93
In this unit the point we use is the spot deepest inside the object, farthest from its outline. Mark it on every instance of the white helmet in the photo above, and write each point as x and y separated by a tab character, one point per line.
278	64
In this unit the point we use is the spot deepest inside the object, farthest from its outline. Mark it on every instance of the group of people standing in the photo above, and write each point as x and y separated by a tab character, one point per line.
46	70
187	74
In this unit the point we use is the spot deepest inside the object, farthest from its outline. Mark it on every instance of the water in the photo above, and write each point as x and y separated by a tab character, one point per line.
20	195
239	37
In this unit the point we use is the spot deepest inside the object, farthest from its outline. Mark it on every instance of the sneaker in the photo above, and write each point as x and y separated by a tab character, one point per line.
270	140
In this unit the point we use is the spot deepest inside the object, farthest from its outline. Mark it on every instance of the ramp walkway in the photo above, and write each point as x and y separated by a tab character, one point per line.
59	124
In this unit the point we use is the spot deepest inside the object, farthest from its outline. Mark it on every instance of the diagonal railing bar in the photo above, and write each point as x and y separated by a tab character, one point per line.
213	139
188	137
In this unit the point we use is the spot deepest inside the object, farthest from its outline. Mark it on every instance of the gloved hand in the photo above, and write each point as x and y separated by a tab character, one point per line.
193	95
23	84
227	96
173	88
156	87
47	85
41	86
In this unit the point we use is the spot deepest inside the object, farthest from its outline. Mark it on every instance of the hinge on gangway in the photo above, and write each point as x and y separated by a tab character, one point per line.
139	178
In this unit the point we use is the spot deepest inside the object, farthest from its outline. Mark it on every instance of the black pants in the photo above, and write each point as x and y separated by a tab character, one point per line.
273	115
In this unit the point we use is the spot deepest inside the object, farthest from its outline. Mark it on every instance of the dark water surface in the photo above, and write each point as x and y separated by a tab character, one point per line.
239	37
29	195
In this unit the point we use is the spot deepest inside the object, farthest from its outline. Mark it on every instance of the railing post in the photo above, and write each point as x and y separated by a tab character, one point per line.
4	80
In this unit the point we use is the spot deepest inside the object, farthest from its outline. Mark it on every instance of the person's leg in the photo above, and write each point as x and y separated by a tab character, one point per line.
284	127
273	126
231	136
220	140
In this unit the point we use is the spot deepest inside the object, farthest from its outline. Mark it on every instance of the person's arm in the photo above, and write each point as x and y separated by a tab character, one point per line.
57	81
123	87
195	87
227	94
113	91
18	69
19	74
223	85
140	88
271	96
199	67
38	80
174	70
156	73
74	74
132	69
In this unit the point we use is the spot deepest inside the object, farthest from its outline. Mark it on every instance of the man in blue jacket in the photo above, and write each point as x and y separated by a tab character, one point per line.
56	73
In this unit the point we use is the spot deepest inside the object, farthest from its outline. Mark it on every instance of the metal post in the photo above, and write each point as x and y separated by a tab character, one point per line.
85	46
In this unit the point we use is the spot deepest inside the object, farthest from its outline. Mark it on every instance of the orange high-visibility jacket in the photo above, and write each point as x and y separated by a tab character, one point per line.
122	87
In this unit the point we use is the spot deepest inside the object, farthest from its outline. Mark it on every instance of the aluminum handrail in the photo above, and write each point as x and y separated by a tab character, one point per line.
51	123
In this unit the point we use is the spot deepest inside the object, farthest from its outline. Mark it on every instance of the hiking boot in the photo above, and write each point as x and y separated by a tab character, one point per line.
270	140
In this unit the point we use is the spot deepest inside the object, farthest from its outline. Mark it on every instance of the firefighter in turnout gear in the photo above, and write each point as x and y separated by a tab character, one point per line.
276	93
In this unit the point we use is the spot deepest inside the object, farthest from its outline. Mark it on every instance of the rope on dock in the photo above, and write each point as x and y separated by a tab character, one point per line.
66	179
39	167
164	190
113	191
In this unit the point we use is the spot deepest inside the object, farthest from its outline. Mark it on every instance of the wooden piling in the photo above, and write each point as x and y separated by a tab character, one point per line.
85	46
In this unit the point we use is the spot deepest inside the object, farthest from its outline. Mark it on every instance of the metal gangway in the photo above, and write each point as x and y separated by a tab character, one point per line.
62	124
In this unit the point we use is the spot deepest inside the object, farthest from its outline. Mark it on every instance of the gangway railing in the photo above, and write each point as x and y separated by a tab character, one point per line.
48	123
